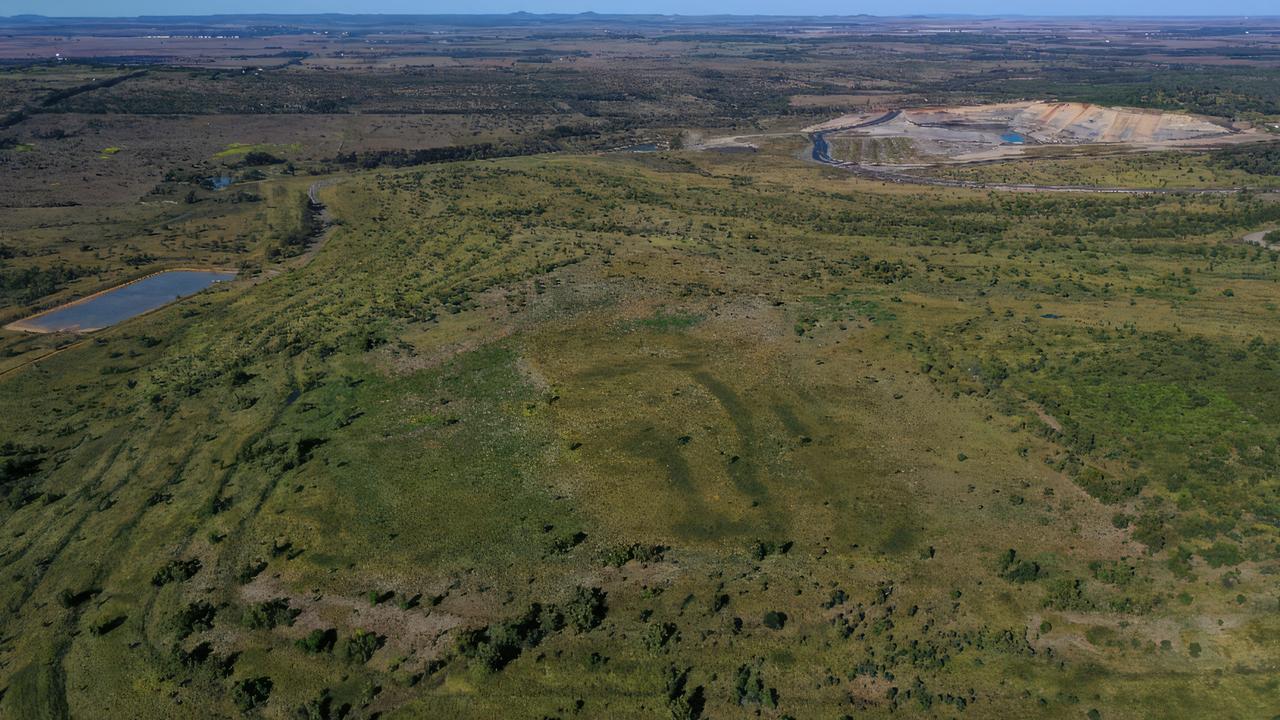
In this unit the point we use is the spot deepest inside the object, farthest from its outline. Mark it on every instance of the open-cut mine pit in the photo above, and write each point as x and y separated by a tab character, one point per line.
928	135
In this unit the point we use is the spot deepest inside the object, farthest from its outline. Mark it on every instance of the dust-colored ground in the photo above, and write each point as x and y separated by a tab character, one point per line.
1004	130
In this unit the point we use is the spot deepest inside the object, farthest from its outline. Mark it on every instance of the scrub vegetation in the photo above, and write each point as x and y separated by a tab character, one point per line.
684	434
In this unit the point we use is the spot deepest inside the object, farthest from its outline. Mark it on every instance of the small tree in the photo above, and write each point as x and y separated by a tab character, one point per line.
250	693
586	609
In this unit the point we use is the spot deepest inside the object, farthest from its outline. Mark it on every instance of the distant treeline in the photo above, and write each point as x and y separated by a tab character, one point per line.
57	96
60	95
26	285
1253	159
404	158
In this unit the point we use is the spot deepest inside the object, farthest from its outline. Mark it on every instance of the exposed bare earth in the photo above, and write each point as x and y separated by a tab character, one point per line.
1260	238
986	132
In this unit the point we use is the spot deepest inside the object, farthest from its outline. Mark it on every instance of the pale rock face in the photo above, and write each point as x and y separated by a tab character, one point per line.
984	132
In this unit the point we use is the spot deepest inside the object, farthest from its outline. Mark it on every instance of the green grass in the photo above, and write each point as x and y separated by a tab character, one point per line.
1054	166
811	392
236	150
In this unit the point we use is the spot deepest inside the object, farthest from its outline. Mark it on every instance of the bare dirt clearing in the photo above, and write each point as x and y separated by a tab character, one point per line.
1263	238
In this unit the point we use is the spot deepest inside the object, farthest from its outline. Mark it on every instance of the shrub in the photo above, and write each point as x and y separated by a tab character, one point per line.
1222	553
361	646
658	635
761	549
494	647
251	571
255	158
196	617
1018	571
775	620
619	556
586	609
176	571
684	704
1109	489
250	693
269	614
321	708
69	598
749	688
1151	529
106	626
565	543
318	641
1067	594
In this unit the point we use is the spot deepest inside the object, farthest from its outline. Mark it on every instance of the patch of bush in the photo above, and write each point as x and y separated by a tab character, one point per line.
749	687
20	462
1018	571
74	598
176	571
586	609
26	285
197	655
258	158
761	549
684	704
1067	594
1113	572
360	647
619	556
251	693
318	641
196	617
322	708
493	648
1109	489
1222	553
658	635
565	543
1152	529
269	613
106	626
251	571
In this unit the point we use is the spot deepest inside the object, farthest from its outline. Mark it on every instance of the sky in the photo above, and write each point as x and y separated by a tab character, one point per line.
100	8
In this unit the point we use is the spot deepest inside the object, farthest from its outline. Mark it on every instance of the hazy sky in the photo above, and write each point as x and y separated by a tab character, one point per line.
98	8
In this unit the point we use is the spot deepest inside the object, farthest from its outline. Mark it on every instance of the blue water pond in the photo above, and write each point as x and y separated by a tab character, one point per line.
126	301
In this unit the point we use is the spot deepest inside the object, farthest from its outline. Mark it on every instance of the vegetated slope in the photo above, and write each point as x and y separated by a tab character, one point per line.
1150	170
643	437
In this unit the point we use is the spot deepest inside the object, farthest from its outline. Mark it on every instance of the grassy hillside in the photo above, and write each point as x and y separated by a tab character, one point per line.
675	435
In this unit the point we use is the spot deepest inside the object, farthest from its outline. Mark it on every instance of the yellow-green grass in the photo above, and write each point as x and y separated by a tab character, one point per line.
495	375
236	150
1170	170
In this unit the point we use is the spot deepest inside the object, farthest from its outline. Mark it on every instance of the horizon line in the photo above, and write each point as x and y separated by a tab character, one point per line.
908	16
